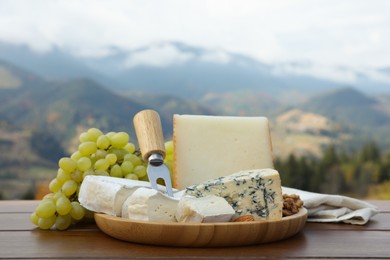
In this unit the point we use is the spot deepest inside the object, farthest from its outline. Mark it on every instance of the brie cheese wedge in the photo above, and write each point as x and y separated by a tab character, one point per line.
106	194
204	209
150	205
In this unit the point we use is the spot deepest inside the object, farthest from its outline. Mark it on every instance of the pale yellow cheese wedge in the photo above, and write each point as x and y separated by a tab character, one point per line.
207	147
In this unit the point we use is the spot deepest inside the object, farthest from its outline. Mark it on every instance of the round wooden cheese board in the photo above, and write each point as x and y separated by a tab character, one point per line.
201	234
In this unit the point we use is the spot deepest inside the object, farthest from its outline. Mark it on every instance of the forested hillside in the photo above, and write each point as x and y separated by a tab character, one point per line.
364	173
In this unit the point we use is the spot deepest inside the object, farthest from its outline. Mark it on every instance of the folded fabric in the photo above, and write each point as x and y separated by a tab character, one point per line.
334	208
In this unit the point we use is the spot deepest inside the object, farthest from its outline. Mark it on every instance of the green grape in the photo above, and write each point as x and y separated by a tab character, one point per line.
127	167
46	208
55	185
63	205
69	187
169	157
100	154
87	148
120	153
103	142
101	173
84	163
116	171
77	176
46	223
130	147
102	164
34	218
83	137
131	176
62	176
110	134
134	159
76	156
169	147
63	222
111	158
89	215
93	160
49	196
169	152
119	140
77	212
140	171
88	172
67	164
169	163
58	195
93	134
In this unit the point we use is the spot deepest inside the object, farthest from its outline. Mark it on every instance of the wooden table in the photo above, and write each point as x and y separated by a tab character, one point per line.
19	239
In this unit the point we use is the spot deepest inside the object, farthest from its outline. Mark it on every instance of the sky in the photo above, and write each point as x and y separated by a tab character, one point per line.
353	33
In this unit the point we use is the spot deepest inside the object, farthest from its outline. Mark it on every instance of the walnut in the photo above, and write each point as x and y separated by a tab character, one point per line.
291	204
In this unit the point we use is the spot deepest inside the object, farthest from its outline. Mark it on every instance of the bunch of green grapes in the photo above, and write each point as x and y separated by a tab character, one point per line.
109	154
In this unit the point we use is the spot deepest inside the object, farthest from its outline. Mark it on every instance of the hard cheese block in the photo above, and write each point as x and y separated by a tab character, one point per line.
107	194
254	192
207	147
204	209
150	205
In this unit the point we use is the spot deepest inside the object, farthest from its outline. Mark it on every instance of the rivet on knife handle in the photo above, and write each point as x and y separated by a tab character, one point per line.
147	125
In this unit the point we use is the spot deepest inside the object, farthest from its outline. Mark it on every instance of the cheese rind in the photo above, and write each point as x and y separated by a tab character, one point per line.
150	205
204	209
207	147
107	194
255	192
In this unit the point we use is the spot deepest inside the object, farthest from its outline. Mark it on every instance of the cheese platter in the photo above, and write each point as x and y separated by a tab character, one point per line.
220	234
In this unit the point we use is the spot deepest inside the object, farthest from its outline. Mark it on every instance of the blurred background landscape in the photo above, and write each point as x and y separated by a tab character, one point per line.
320	71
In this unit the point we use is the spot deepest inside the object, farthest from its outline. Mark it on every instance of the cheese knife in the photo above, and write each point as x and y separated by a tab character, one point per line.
147	125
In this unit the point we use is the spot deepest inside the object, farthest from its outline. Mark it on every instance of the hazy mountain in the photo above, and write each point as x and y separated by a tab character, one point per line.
67	106
350	107
55	64
182	70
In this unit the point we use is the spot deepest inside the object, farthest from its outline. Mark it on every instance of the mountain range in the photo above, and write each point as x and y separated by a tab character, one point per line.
65	94
67	106
186	71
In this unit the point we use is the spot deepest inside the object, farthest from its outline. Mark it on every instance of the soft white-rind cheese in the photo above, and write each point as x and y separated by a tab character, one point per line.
106	194
255	192
207	147
204	209
150	205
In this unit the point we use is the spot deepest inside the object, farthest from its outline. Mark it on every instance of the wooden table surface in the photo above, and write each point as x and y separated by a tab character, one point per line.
19	239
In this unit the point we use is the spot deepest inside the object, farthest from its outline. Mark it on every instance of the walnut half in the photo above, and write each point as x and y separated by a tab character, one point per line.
291	204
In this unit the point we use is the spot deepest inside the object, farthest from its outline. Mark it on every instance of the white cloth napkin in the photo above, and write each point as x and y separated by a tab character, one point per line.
334	208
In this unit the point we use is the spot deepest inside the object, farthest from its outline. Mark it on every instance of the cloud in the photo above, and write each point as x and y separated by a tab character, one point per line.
158	56
349	32
341	74
166	54
217	56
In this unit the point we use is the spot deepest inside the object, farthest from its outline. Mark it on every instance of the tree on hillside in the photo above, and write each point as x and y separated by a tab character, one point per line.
385	168
370	152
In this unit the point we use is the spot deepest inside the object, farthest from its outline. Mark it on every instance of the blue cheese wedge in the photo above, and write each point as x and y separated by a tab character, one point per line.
107	194
254	192
204	209
150	205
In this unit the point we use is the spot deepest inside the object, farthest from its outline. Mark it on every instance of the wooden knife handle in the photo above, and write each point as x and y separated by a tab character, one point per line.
147	125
